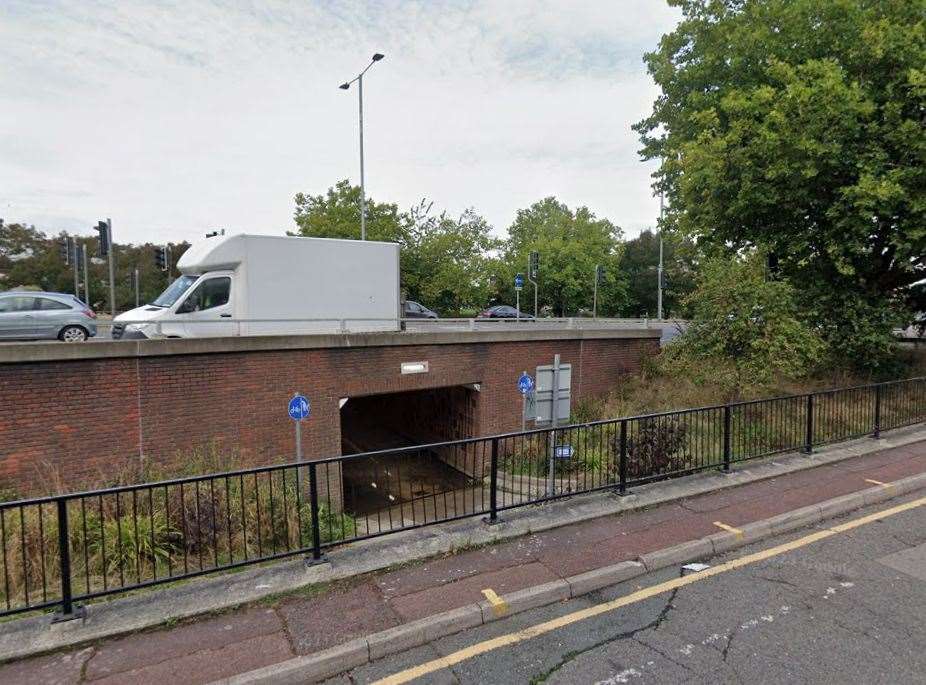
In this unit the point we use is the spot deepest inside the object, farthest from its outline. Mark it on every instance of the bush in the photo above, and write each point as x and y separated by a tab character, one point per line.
745	330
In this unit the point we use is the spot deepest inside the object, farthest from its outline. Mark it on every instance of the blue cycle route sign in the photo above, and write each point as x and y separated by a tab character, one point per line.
525	384
518	282
299	408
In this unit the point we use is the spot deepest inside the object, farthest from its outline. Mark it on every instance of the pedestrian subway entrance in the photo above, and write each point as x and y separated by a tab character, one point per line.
414	482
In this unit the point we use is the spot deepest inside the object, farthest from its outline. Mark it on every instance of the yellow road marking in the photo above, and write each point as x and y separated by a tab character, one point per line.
499	606
466	653
878	482
729	529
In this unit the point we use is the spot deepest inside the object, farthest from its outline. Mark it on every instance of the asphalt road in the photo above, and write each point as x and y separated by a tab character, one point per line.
849	608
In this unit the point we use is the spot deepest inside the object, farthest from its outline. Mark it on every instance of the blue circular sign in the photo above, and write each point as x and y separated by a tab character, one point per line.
519	281
525	384
299	408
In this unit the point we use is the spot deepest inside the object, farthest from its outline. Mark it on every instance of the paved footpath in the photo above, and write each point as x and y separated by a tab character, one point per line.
204	650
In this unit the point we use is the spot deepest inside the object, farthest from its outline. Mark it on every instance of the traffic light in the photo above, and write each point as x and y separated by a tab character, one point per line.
773	267
64	249
533	265
663	281
161	257
102	227
599	274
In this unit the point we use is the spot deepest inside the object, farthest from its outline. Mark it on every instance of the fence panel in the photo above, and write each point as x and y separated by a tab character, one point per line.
765	427
112	540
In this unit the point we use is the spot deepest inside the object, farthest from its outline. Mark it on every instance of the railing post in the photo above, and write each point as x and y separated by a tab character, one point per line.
68	610
808	436
493	484
877	432
726	438
622	463
313	503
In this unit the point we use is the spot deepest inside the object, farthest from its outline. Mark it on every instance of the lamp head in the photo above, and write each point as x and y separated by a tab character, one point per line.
344	86
378	56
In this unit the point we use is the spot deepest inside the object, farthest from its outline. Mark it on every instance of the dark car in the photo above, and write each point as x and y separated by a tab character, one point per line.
414	310
502	311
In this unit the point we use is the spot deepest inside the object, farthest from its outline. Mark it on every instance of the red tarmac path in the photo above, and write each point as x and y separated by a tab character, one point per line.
249	638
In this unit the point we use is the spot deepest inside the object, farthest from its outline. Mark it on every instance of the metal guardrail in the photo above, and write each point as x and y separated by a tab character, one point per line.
351	325
62	549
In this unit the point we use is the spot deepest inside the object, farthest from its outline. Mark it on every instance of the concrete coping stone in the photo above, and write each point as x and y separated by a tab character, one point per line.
45	352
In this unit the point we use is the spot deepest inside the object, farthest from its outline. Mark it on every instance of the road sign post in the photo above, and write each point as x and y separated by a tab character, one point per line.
551	489
518	284
525	387
298	410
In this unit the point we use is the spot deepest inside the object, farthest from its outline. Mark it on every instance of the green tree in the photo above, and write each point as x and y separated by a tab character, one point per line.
448	265
571	244
639	264
336	214
744	329
31	259
797	126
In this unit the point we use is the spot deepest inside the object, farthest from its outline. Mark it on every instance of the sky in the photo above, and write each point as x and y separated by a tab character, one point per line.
177	118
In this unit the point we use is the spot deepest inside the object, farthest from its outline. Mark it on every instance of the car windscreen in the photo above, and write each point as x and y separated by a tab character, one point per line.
174	291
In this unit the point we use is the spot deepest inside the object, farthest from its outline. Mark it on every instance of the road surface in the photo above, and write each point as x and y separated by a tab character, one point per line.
848	608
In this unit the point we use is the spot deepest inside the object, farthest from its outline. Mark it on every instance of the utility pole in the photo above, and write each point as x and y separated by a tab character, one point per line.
599	278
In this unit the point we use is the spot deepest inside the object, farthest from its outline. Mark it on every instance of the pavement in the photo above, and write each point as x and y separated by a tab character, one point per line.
322	617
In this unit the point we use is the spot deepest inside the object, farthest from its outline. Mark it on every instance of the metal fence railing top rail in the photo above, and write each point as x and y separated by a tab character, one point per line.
58	550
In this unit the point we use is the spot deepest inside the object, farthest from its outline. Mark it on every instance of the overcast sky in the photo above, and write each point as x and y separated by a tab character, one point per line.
174	118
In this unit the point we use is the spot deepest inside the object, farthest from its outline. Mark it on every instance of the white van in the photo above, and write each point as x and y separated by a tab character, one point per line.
273	285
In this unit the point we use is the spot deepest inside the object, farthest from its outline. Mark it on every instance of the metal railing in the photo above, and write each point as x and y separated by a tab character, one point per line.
231	327
59	550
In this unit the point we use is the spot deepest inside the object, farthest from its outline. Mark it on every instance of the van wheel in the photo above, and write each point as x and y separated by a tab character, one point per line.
73	334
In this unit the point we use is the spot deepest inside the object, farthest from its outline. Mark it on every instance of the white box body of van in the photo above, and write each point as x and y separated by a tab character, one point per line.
277	285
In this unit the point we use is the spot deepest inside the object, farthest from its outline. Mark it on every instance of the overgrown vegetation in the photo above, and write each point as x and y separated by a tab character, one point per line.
123	538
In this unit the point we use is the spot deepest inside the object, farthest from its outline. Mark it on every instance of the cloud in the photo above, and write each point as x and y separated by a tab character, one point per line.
176	118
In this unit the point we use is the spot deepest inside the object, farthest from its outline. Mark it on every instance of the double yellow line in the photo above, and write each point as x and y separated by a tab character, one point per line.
414	672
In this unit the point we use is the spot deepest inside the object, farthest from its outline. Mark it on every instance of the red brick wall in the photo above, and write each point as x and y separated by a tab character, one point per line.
85	420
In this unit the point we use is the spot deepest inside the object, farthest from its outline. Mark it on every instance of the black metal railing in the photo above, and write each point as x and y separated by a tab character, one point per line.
60	550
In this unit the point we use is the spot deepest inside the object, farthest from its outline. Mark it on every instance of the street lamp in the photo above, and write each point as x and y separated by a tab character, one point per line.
363	196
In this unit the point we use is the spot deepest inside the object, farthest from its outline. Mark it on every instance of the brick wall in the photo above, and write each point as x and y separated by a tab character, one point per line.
84	420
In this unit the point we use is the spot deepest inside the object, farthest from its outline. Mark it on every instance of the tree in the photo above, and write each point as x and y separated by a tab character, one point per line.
448	265
571	244
31	259
639	264
337	215
799	126
744	329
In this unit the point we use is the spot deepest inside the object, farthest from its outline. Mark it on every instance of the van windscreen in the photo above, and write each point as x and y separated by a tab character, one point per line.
174	291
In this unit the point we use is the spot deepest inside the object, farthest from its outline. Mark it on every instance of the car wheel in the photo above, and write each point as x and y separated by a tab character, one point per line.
73	334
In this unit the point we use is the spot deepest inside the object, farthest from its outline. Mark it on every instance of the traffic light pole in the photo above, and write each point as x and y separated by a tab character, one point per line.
137	300
659	270
595	296
112	277
75	259
83	249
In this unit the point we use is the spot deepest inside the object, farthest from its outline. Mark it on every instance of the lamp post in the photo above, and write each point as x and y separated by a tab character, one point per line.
363	196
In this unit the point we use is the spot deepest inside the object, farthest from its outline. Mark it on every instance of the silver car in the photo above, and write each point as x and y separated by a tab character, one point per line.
27	315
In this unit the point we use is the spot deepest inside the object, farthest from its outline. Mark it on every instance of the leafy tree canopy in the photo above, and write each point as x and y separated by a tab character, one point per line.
571	244
640	261
799	126
744	329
